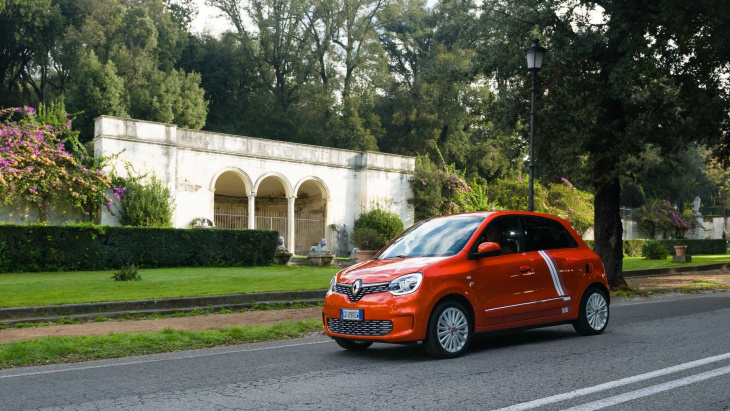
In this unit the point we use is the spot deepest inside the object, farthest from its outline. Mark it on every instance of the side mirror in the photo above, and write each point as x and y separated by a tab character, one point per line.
487	248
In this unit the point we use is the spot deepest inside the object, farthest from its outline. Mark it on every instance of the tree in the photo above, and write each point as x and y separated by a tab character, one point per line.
98	91
620	77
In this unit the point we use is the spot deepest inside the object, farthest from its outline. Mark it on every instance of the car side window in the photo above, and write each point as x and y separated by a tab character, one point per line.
546	234
505	231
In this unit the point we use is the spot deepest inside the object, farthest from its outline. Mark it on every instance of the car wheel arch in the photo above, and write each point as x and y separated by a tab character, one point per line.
600	286
461	299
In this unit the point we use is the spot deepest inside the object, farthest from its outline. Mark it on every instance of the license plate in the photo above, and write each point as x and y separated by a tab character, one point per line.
353	315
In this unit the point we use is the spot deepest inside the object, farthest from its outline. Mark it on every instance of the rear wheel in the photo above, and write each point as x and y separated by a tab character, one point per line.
593	316
353	345
449	330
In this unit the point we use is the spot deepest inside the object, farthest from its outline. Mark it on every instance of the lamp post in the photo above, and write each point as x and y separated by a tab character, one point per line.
534	54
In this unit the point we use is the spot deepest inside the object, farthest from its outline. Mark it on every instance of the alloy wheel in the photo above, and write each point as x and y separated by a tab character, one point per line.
453	329
597	311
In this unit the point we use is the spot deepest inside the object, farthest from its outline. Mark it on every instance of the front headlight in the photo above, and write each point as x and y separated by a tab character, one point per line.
405	284
333	284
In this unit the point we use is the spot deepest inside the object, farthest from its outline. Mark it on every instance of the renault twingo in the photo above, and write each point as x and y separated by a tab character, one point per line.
447	278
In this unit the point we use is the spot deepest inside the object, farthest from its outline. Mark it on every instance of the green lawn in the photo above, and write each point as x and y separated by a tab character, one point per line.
54	350
639	263
24	289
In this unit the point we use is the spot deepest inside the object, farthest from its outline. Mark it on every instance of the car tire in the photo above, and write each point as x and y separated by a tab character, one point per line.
353	345
594	312
453	322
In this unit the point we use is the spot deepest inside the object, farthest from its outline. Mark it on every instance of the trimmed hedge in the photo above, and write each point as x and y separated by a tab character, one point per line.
632	248
57	248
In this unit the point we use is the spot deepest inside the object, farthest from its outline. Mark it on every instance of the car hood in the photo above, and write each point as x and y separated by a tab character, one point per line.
379	271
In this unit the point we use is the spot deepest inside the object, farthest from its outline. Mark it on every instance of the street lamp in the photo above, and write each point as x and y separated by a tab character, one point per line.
534	54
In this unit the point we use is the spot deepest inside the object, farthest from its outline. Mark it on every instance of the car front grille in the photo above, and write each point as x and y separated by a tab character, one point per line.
367	327
366	289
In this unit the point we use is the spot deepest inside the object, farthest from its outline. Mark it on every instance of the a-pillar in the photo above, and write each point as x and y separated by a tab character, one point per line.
290	224
251	211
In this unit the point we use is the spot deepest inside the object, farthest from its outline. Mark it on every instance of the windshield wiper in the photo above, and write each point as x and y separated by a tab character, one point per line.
397	256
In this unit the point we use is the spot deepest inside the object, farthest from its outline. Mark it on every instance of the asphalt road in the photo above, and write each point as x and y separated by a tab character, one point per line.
662	354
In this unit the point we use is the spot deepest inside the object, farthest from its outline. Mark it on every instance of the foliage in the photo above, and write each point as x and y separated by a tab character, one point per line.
475	198
147	204
437	190
654	250
633	248
52	248
128	272
512	194
367	239
37	168
386	223
576	206
660	217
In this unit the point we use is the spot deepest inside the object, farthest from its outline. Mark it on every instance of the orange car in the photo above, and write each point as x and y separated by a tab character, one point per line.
447	278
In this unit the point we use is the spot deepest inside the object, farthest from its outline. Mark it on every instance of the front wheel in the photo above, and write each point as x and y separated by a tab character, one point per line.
449	330
353	345
593	316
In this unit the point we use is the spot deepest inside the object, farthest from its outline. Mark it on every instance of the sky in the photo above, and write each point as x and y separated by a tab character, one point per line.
209	19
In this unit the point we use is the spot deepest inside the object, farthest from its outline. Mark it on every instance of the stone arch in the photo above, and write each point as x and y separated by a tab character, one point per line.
322	186
231	191
284	181
240	173
312	197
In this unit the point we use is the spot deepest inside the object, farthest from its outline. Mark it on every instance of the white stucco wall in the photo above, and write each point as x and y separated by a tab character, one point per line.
190	161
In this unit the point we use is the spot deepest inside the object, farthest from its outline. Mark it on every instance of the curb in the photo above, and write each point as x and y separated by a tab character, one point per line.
166	305
674	270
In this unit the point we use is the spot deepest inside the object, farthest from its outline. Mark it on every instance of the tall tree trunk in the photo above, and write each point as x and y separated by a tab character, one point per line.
608	230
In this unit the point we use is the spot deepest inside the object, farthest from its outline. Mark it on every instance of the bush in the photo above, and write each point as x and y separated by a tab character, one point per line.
128	272
367	239
147	205
633	248
56	248
386	223
654	250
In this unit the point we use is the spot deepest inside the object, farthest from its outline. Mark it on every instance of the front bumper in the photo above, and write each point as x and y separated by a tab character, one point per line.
406	313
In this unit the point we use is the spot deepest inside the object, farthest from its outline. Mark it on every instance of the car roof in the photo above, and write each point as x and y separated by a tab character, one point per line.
500	212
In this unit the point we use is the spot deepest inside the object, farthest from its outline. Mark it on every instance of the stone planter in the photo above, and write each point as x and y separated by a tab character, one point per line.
364	255
680	250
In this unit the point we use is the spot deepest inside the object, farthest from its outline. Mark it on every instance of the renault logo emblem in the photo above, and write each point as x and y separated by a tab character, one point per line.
356	287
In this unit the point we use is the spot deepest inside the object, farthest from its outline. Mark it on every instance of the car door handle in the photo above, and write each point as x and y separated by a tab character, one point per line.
525	268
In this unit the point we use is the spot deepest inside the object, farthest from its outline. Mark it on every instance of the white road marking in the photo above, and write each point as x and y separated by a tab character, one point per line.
655	389
141	361
541	402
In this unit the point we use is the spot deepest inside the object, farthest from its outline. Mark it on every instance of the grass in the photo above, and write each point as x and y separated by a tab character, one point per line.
25	289
55	350
640	263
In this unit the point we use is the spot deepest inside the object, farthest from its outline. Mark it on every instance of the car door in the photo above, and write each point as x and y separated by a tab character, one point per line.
552	256
505	283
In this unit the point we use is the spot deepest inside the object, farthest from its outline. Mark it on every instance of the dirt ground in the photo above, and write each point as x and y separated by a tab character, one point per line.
200	322
720	279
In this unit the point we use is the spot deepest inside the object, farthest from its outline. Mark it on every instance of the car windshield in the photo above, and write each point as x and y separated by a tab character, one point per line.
440	237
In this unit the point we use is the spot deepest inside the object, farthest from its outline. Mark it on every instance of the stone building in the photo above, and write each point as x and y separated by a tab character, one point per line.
305	192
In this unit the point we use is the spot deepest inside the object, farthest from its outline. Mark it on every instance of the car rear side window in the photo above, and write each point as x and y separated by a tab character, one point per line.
546	234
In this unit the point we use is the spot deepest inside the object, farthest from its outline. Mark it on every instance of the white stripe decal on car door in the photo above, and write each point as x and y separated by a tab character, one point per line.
554	272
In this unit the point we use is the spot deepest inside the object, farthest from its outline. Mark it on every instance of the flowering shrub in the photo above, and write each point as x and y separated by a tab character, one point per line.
660	217
37	167
437	190
576	206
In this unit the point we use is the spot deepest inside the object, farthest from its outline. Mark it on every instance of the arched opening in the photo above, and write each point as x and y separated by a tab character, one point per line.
310	212
272	204
230	201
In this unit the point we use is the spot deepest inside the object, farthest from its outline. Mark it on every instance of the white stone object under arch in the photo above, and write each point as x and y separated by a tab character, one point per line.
192	161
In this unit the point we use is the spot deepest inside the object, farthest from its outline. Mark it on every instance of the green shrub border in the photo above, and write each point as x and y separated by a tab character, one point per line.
68	248
632	248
